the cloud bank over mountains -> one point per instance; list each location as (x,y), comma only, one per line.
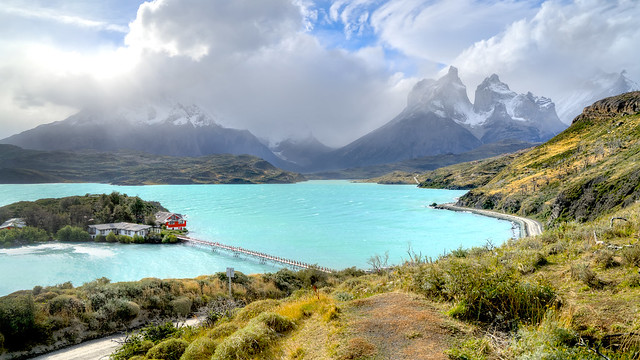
(337,69)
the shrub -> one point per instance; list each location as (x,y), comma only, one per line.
(222,330)
(170,349)
(476,349)
(124,239)
(67,304)
(181,306)
(73,234)
(583,273)
(278,323)
(120,310)
(133,345)
(605,259)
(200,349)
(169,239)
(245,343)
(159,332)
(111,237)
(137,239)
(343,296)
(256,308)
(631,255)
(99,238)
(286,280)
(460,252)
(484,293)
(17,319)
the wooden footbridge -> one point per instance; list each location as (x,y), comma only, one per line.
(262,257)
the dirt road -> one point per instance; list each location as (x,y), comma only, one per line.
(528,227)
(98,349)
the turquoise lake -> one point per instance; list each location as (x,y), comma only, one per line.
(336,224)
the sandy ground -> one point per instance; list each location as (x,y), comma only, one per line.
(98,349)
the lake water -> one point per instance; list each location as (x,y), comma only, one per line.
(335,224)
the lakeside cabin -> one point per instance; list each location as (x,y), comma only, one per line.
(121,228)
(171,221)
(15,223)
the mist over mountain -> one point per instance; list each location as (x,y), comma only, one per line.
(304,153)
(439,119)
(164,129)
(602,86)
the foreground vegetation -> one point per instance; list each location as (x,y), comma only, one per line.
(20,166)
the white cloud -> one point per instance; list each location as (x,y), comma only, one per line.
(438,30)
(255,63)
(563,45)
(60,17)
(263,66)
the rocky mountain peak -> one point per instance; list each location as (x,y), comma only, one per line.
(446,97)
(489,92)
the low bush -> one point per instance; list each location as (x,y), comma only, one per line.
(492,294)
(157,333)
(181,306)
(170,349)
(631,255)
(278,323)
(17,320)
(222,330)
(245,343)
(256,308)
(133,345)
(67,304)
(583,273)
(200,349)
(73,234)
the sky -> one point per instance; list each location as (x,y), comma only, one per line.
(335,69)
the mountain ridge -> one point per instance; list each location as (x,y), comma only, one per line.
(439,118)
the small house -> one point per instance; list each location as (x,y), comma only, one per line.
(171,220)
(121,228)
(15,223)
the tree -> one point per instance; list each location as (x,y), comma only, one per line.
(137,209)
(72,233)
(111,237)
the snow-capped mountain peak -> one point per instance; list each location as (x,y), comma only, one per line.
(446,97)
(175,114)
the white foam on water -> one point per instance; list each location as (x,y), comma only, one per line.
(93,252)
(27,250)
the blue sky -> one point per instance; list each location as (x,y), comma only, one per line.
(334,68)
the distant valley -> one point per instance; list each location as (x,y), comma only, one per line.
(20,166)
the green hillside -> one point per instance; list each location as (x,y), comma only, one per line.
(19,166)
(591,168)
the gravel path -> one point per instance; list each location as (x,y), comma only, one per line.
(528,227)
(98,349)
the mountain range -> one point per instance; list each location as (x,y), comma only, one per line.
(439,119)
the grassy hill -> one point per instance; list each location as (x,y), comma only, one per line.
(591,168)
(20,166)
